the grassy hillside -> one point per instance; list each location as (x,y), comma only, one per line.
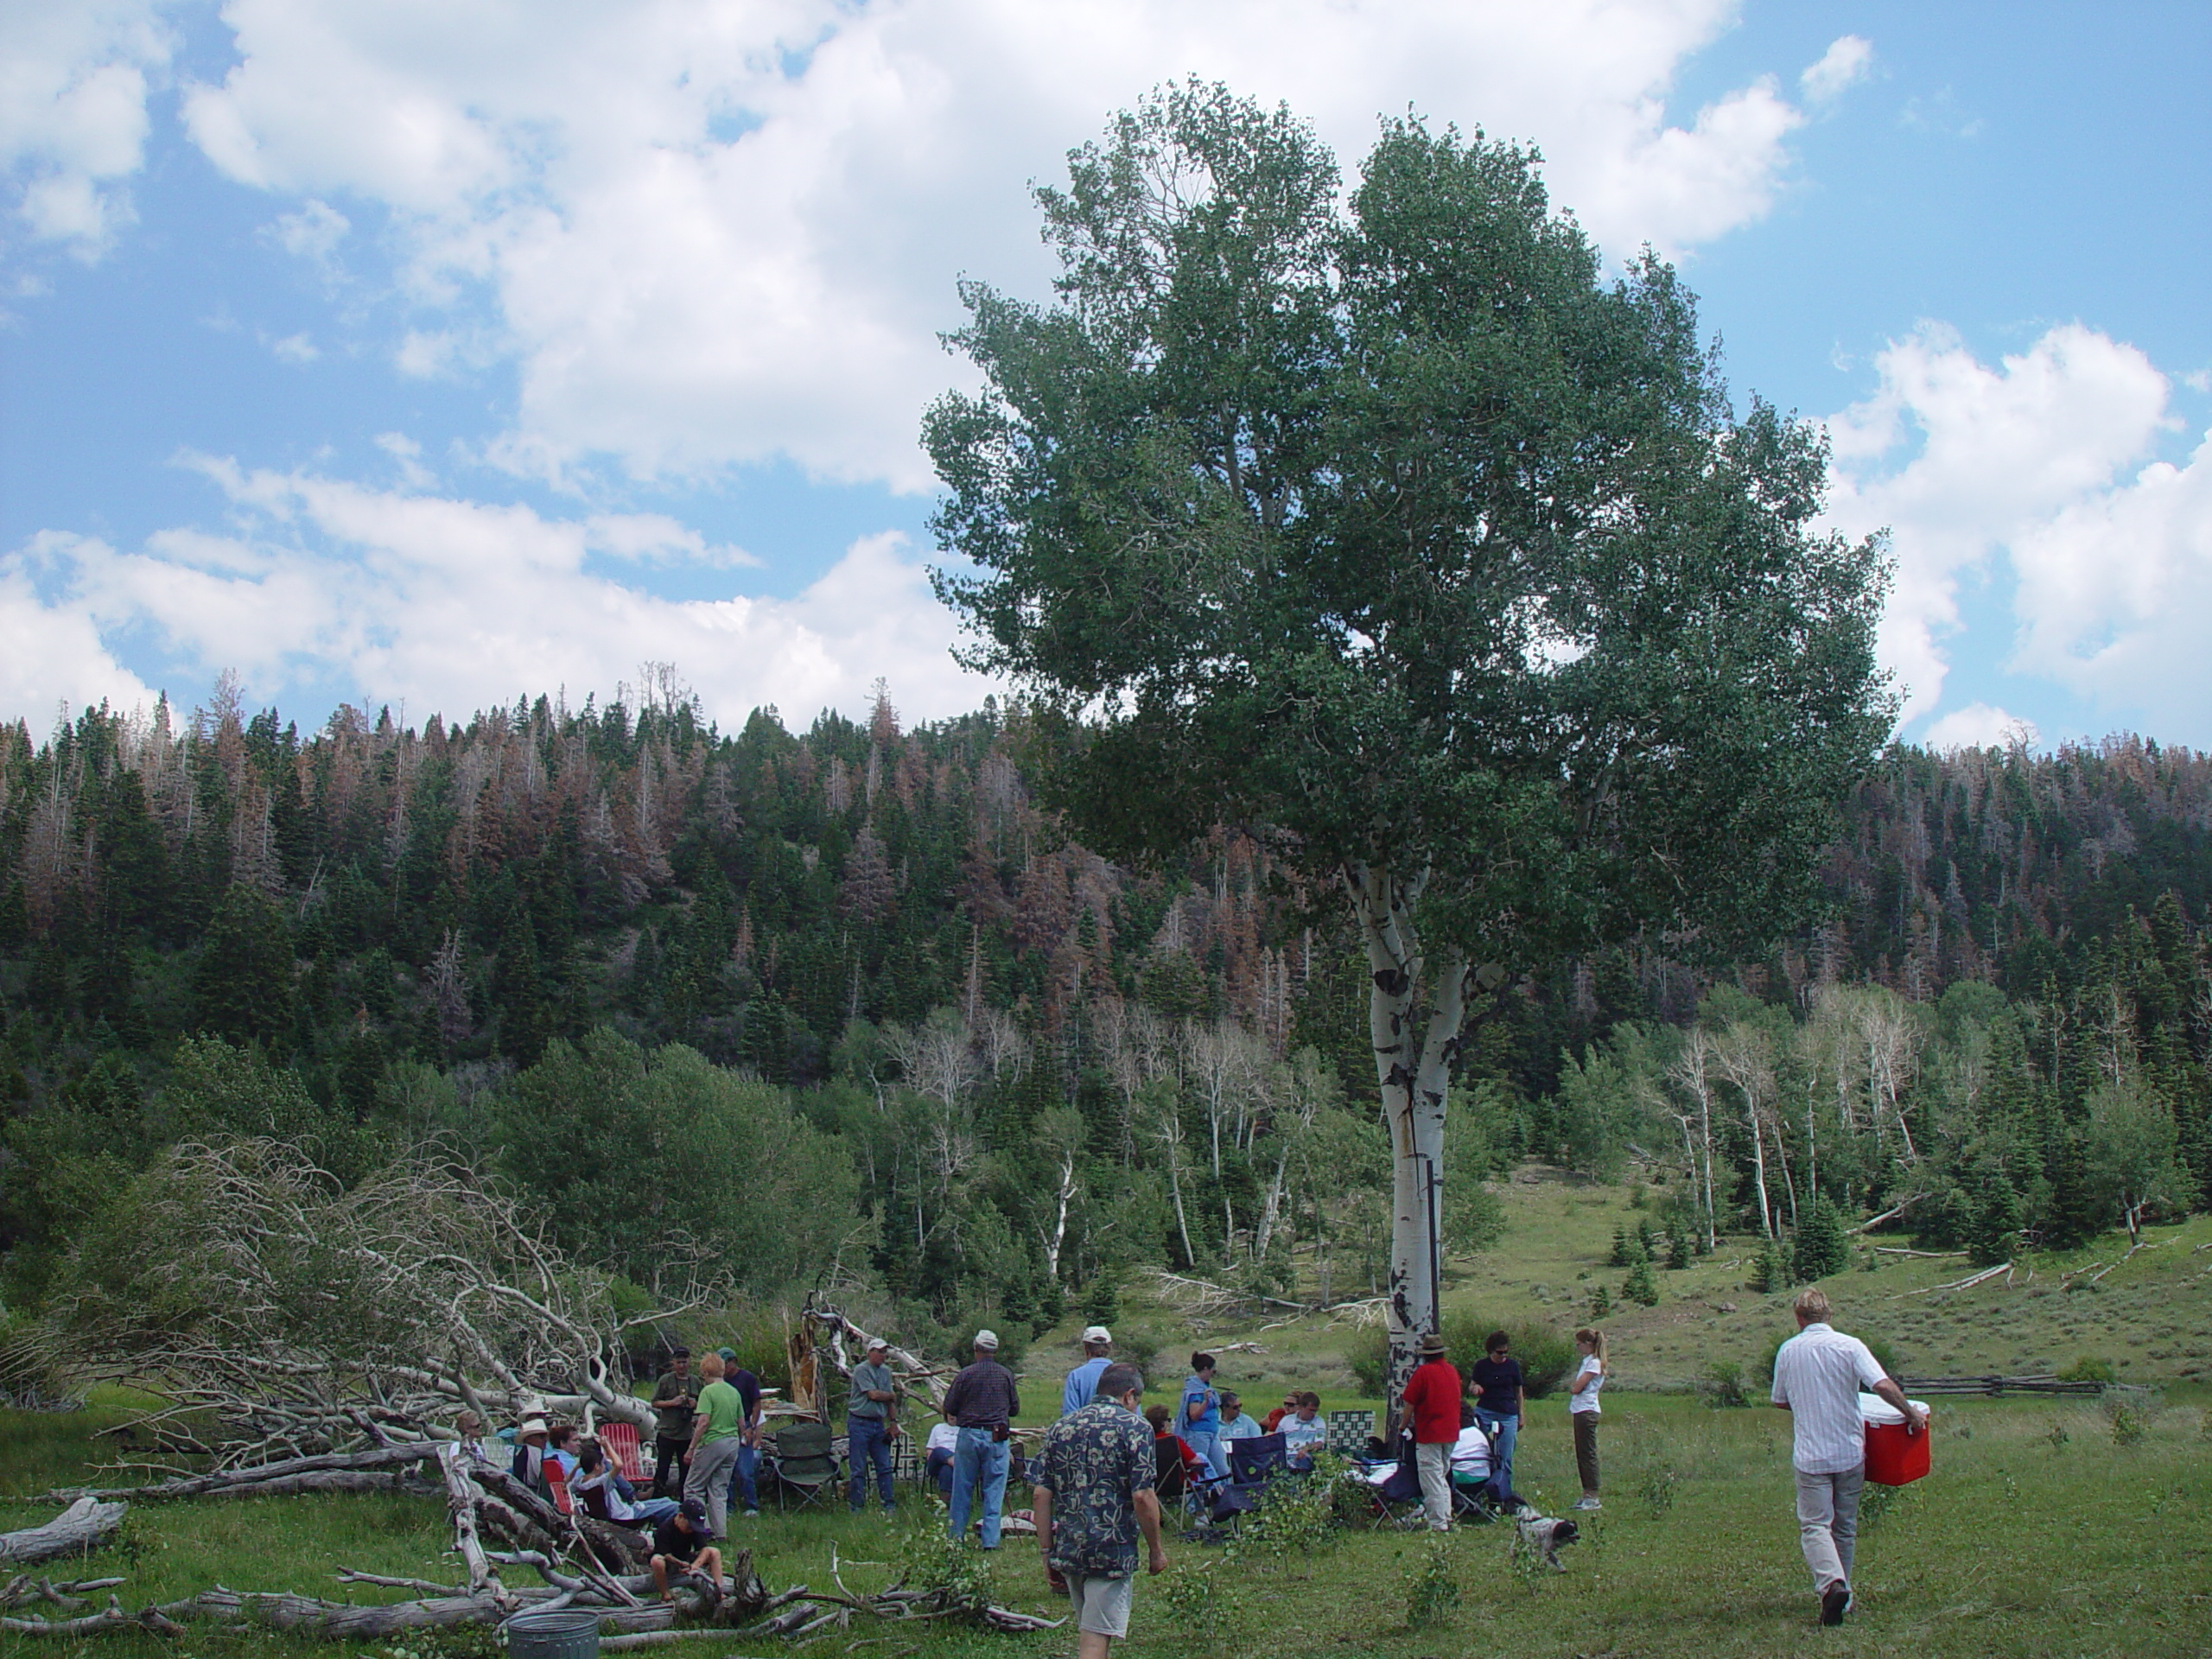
(2151,1317)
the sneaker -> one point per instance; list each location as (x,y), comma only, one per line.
(1588,1503)
(1835,1600)
(753,1515)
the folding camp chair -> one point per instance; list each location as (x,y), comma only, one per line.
(557,1480)
(619,1442)
(804,1465)
(1252,1462)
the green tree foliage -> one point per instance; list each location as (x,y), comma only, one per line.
(242,990)
(625,1148)
(1640,1286)
(1400,535)
(1821,1248)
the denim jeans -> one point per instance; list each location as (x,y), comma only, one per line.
(744,1491)
(868,1442)
(1208,1446)
(978,1461)
(1508,1430)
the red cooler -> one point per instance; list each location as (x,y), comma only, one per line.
(1893,1457)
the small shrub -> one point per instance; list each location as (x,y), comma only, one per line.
(1201,1598)
(1600,1303)
(2127,1426)
(1298,1518)
(1678,1246)
(2089,1369)
(1639,1286)
(1770,1269)
(1656,1489)
(1724,1385)
(1432,1587)
(2056,1436)
(958,1576)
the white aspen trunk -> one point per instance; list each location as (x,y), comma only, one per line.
(1060,1217)
(1412,1064)
(1759,1167)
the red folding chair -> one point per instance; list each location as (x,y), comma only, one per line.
(556,1480)
(619,1442)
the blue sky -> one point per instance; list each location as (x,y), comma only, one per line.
(430,353)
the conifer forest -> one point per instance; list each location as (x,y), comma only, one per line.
(846,1003)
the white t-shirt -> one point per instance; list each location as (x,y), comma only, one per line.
(1818,1375)
(1587,1399)
(1470,1453)
(944,1438)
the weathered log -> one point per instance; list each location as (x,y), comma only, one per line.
(84,1525)
(261,1475)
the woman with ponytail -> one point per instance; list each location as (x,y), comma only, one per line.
(1582,1412)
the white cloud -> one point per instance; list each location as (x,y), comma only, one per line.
(51,654)
(73,80)
(299,350)
(2047,459)
(1979,726)
(314,232)
(1848,60)
(456,605)
(718,230)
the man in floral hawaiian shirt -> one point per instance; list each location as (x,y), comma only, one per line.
(1094,1495)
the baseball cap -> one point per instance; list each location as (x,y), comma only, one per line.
(987,1339)
(729,1355)
(1097,1333)
(874,1342)
(693,1510)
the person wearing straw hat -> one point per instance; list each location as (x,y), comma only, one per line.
(531,1441)
(1432,1402)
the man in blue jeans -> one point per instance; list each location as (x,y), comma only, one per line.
(744,1486)
(982,1403)
(871,1422)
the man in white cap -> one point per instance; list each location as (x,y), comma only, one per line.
(982,1403)
(1082,1381)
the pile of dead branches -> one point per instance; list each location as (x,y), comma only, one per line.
(498,1525)
(273,1309)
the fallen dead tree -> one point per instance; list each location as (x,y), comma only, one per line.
(273,1309)
(500,1524)
(84,1525)
(825,1335)
(382,1465)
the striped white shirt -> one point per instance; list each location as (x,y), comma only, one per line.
(1818,1375)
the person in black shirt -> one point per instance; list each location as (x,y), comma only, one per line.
(1501,1395)
(680,1541)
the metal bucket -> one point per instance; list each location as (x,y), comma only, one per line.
(571,1633)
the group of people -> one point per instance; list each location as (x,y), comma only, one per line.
(1095,1496)
(1449,1429)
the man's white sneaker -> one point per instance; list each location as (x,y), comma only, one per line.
(1588,1503)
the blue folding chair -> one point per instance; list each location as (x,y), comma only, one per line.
(1252,1464)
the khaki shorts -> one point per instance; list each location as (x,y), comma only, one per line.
(1101,1605)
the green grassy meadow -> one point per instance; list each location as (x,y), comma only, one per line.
(2042,1531)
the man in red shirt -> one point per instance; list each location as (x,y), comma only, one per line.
(1432,1400)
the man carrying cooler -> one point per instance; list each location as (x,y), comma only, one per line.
(1817,1376)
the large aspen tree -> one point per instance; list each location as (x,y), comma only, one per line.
(1385,526)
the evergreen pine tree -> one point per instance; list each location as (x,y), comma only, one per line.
(1639,1286)
(1821,1247)
(243,990)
